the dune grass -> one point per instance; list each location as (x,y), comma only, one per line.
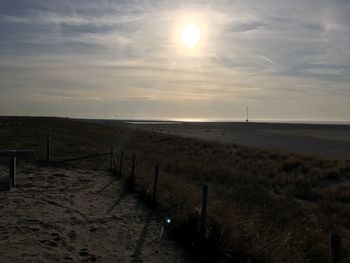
(263,206)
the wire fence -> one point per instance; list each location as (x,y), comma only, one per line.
(117,164)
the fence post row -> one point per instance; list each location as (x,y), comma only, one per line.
(335,240)
(48,148)
(335,249)
(203,210)
(155,184)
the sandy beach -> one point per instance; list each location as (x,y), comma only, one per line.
(323,140)
(74,215)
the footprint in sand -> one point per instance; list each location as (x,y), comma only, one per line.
(67,259)
(56,237)
(86,255)
(93,228)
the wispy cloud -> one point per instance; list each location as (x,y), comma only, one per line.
(124,56)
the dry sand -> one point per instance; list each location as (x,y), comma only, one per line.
(67,215)
(323,140)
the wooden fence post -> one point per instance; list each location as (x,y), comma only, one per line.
(335,249)
(48,149)
(121,163)
(112,159)
(133,169)
(12,167)
(155,184)
(203,210)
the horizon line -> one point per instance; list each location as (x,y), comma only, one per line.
(175,119)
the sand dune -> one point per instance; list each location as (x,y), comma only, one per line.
(263,205)
(66,215)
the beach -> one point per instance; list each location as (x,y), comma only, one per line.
(77,215)
(264,204)
(323,140)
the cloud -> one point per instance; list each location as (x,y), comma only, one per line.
(125,54)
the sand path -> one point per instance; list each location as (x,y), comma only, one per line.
(65,215)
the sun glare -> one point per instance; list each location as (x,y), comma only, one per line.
(190,35)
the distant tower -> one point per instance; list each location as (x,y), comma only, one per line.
(247,120)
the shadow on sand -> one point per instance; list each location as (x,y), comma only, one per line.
(105,187)
(141,240)
(121,197)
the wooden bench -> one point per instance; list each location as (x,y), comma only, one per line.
(12,155)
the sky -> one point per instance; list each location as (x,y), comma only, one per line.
(286,60)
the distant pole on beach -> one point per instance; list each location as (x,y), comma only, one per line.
(247,120)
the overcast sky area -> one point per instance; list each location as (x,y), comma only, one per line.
(287,60)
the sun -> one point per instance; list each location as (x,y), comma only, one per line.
(190,35)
